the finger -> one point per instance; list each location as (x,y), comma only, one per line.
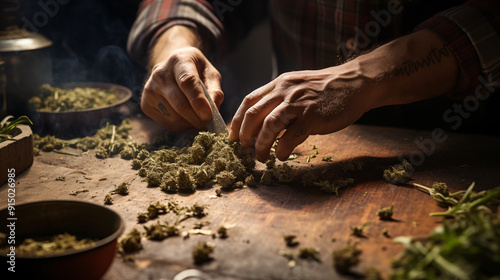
(161,89)
(188,80)
(273,125)
(250,100)
(162,113)
(254,119)
(181,105)
(295,134)
(212,83)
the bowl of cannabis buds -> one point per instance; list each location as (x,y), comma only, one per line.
(73,109)
(59,239)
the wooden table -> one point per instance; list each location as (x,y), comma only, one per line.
(258,217)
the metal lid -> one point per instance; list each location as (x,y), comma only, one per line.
(22,40)
(13,38)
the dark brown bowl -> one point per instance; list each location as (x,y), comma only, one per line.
(83,122)
(59,216)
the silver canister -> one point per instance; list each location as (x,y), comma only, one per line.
(27,58)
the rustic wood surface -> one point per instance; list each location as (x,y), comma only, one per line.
(258,217)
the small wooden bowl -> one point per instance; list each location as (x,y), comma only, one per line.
(17,154)
(79,218)
(83,122)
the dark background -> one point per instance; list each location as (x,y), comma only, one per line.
(89,44)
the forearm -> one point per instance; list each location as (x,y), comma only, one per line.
(172,39)
(409,69)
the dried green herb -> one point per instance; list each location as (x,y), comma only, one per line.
(50,245)
(108,141)
(53,99)
(333,186)
(385,213)
(358,230)
(142,217)
(121,189)
(311,253)
(290,240)
(130,243)
(209,158)
(351,165)
(222,232)
(440,192)
(77,192)
(108,200)
(327,158)
(226,180)
(199,225)
(160,231)
(345,257)
(281,174)
(218,192)
(399,173)
(202,252)
(250,181)
(7,129)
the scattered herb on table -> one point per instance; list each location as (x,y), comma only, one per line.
(290,240)
(202,252)
(108,200)
(358,230)
(222,232)
(130,243)
(345,257)
(311,253)
(399,173)
(385,213)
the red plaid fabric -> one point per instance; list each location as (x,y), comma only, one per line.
(314,34)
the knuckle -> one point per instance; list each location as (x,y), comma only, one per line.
(187,78)
(252,112)
(247,100)
(218,96)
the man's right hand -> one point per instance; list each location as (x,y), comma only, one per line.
(173,95)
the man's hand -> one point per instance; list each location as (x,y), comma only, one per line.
(172,94)
(303,103)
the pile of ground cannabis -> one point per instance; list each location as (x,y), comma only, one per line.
(50,245)
(53,99)
(210,159)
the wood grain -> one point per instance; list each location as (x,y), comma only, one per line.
(258,217)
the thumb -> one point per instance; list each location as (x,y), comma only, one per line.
(214,90)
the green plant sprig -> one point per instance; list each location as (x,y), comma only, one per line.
(6,128)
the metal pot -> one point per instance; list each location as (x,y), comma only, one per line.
(27,59)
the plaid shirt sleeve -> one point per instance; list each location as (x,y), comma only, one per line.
(472,33)
(214,22)
(156,16)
